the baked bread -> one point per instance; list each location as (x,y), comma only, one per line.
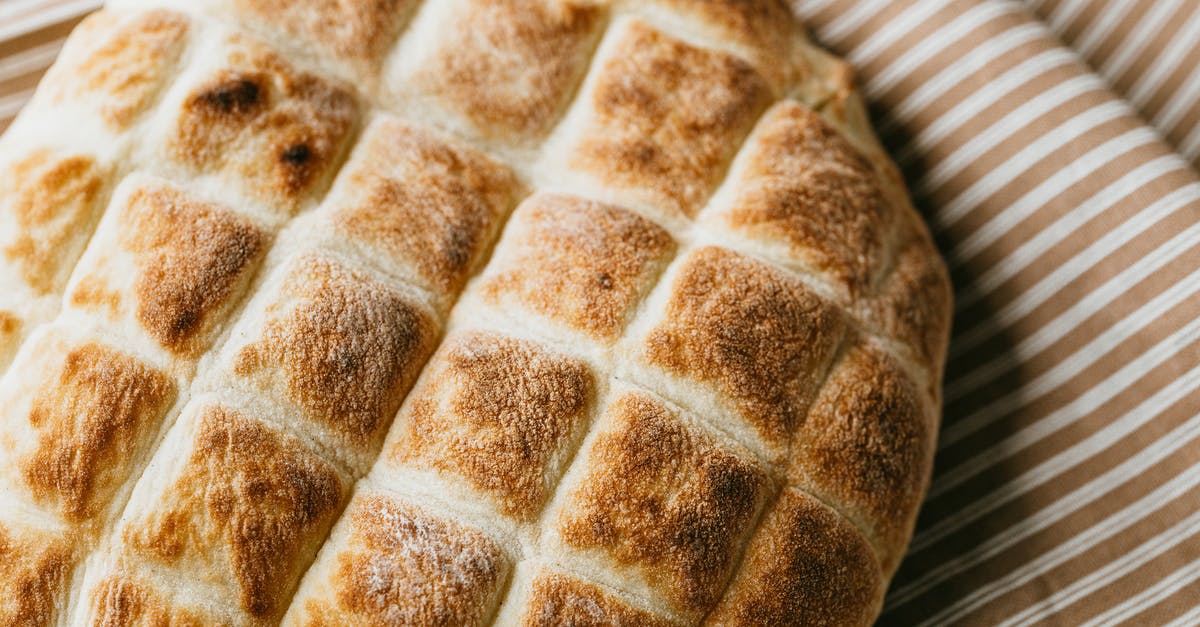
(342,312)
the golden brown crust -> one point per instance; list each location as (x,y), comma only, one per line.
(342,346)
(666,118)
(35,567)
(423,202)
(867,448)
(118,65)
(54,202)
(578,262)
(403,565)
(665,499)
(12,328)
(510,66)
(713,363)
(753,332)
(359,33)
(247,509)
(805,566)
(496,412)
(811,197)
(764,28)
(258,120)
(93,412)
(123,601)
(916,302)
(558,599)
(190,257)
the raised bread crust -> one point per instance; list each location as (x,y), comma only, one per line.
(511,311)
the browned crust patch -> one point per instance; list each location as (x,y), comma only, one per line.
(664,498)
(248,507)
(867,447)
(496,412)
(402,565)
(580,262)
(808,189)
(558,599)
(666,118)
(34,571)
(261,121)
(345,346)
(54,201)
(805,566)
(118,64)
(91,414)
(916,302)
(510,66)
(359,32)
(191,255)
(424,202)
(128,602)
(755,333)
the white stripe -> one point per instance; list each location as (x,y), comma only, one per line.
(1018,119)
(809,8)
(1096,32)
(1064,552)
(1141,34)
(988,95)
(1082,309)
(1138,603)
(1097,486)
(850,19)
(1051,188)
(1182,101)
(11,9)
(1166,61)
(1117,522)
(898,27)
(1191,144)
(1038,293)
(1095,580)
(1191,618)
(1029,156)
(935,87)
(1006,268)
(47,17)
(1081,406)
(904,64)
(29,60)
(1065,13)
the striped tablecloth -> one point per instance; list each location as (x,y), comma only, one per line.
(1053,145)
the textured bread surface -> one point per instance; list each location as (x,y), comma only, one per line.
(390,312)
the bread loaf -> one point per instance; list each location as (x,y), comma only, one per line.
(387,312)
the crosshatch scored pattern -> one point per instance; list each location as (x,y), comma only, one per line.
(518,311)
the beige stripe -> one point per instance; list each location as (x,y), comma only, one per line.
(1147,59)
(1063,397)
(1046,461)
(1026,550)
(1070,15)
(1168,525)
(1052,338)
(1095,42)
(27,55)
(1148,598)
(36,16)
